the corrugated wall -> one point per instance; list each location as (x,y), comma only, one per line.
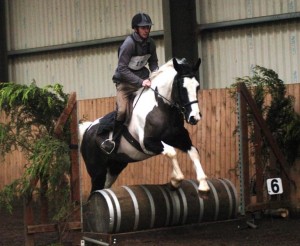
(226,53)
(39,23)
(232,52)
(218,11)
(87,70)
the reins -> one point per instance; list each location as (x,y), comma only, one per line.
(156,92)
(181,109)
(138,98)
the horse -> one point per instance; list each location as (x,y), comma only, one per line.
(156,127)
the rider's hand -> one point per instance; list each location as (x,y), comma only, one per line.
(146,83)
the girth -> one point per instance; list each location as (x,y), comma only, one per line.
(132,140)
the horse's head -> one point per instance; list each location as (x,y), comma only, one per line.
(185,89)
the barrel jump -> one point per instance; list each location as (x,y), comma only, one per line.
(142,207)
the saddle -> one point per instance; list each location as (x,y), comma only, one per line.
(106,124)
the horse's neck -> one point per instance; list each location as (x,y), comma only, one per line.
(163,83)
(145,100)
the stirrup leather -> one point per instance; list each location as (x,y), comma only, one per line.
(108,146)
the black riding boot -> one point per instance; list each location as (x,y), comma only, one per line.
(109,145)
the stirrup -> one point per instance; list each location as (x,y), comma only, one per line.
(108,146)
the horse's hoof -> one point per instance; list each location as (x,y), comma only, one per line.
(203,186)
(171,187)
(175,183)
(204,194)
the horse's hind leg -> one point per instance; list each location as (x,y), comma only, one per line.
(177,175)
(201,177)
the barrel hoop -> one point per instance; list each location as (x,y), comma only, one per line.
(167,205)
(110,209)
(185,208)
(216,199)
(235,195)
(176,206)
(118,208)
(152,206)
(136,207)
(229,197)
(200,200)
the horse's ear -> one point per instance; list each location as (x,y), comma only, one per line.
(196,67)
(175,64)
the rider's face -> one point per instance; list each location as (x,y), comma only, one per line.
(144,31)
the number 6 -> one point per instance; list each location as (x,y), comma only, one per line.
(274,186)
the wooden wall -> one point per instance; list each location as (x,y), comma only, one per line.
(213,136)
(12,165)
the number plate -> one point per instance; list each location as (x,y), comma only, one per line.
(274,186)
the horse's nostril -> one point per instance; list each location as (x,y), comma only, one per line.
(193,121)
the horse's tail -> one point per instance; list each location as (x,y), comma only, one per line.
(82,128)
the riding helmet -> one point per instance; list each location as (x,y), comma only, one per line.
(141,19)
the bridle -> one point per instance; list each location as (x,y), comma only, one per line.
(182,107)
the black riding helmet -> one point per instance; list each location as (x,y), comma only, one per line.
(141,19)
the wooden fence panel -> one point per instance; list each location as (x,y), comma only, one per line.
(213,136)
(11,165)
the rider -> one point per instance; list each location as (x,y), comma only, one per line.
(137,50)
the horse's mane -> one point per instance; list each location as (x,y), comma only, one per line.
(168,65)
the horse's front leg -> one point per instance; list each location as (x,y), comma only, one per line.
(110,180)
(201,177)
(177,175)
(113,171)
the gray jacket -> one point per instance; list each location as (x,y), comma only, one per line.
(134,46)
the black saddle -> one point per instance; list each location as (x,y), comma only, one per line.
(106,123)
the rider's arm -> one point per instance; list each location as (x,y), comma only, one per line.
(153,60)
(126,51)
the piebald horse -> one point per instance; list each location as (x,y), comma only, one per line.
(156,127)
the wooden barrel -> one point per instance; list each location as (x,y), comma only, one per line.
(140,207)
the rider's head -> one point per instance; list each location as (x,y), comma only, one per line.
(141,23)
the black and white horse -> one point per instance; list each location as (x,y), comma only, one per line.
(156,127)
